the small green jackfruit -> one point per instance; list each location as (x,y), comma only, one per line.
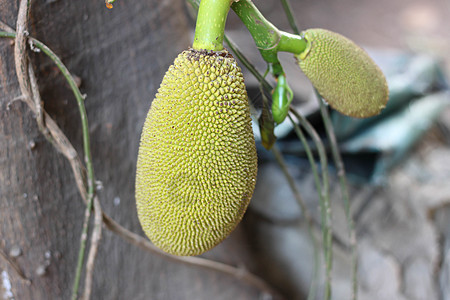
(197,162)
(343,73)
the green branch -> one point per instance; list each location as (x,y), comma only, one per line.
(5,34)
(210,27)
(268,38)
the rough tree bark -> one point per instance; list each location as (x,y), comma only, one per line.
(120,55)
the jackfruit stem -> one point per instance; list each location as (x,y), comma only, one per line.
(268,38)
(291,43)
(210,27)
(265,34)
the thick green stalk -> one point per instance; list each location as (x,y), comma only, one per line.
(210,27)
(265,34)
(291,43)
(268,38)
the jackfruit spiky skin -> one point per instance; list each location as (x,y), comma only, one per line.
(197,162)
(343,73)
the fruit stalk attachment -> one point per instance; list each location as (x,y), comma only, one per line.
(210,26)
(270,41)
(343,73)
(267,37)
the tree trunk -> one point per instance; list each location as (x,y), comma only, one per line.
(120,55)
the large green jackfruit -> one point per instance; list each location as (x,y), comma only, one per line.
(197,162)
(343,73)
